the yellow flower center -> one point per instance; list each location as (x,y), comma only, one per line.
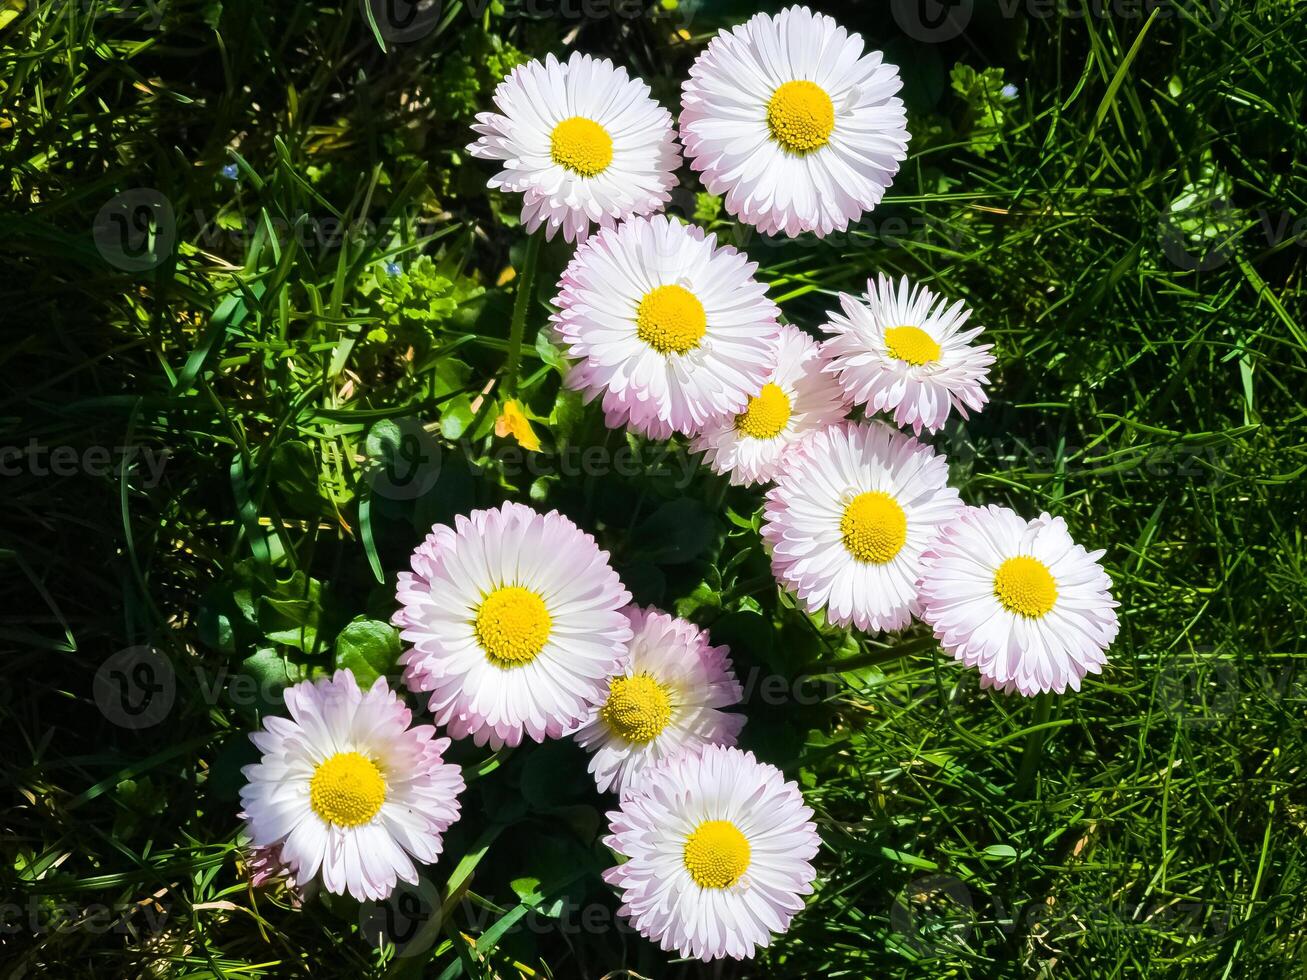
(347,789)
(766,415)
(582,146)
(512,626)
(801,117)
(671,320)
(638,708)
(716,854)
(1025,586)
(874,527)
(912,344)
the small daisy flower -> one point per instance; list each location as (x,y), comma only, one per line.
(1018,600)
(581,141)
(797,399)
(671,329)
(719,850)
(515,620)
(904,353)
(849,519)
(790,120)
(666,698)
(347,790)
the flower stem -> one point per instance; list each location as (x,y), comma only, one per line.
(1034,750)
(521,302)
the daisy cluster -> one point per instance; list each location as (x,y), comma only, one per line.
(515,624)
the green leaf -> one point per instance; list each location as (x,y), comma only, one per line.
(369,648)
(267,674)
(293,622)
(527,890)
(294,473)
(679,531)
(456,416)
(704,599)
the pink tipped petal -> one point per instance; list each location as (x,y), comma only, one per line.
(1043,625)
(818,186)
(721,890)
(295,834)
(677,378)
(873,372)
(666,698)
(533,100)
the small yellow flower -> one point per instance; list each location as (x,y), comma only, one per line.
(513,422)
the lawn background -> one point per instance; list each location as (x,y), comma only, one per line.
(1127,221)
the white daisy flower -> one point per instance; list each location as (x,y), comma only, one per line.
(790,120)
(797,399)
(347,790)
(671,329)
(903,352)
(849,519)
(1018,600)
(581,141)
(515,620)
(666,698)
(719,850)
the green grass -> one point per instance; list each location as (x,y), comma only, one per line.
(1151,387)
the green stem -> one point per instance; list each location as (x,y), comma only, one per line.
(521,302)
(873,657)
(1034,750)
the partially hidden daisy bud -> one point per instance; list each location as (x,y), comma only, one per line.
(516,625)
(672,330)
(266,868)
(798,398)
(1018,600)
(850,518)
(347,791)
(719,850)
(789,119)
(665,699)
(581,141)
(904,351)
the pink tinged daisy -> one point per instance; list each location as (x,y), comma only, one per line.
(1018,600)
(904,352)
(581,141)
(266,868)
(665,699)
(347,791)
(790,120)
(516,625)
(671,330)
(796,400)
(719,850)
(849,519)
